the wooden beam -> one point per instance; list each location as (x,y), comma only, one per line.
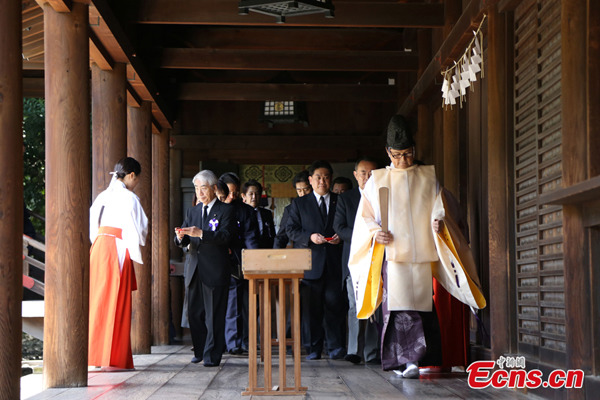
(367,14)
(33,87)
(33,65)
(508,5)
(577,194)
(28,6)
(244,59)
(296,92)
(281,156)
(33,26)
(99,55)
(110,33)
(133,100)
(61,5)
(297,38)
(272,142)
(454,44)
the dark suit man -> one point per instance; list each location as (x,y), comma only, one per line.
(359,332)
(251,194)
(310,225)
(302,187)
(246,237)
(209,227)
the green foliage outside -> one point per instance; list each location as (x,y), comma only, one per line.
(34,160)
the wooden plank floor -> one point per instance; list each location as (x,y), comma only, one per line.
(168,374)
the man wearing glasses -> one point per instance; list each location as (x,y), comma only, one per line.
(410,327)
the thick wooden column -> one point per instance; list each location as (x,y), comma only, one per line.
(498,183)
(11,197)
(424,137)
(66,54)
(577,266)
(175,213)
(139,146)
(161,235)
(594,87)
(109,123)
(451,176)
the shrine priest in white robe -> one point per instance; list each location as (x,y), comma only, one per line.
(411,330)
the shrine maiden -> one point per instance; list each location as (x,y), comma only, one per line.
(118,227)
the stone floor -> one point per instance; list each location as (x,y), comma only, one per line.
(168,374)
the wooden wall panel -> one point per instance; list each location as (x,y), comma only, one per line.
(538,170)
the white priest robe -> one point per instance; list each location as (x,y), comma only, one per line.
(412,199)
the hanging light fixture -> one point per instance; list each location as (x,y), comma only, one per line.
(282,9)
(284,112)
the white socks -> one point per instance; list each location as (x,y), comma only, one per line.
(411,371)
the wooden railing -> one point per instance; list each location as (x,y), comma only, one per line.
(30,283)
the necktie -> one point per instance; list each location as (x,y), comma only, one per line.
(205,217)
(323,209)
(259,219)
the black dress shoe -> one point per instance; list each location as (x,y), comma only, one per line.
(353,358)
(196,360)
(375,361)
(208,364)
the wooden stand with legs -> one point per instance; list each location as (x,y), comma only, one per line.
(265,268)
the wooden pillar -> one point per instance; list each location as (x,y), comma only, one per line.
(498,183)
(139,146)
(175,216)
(451,164)
(577,266)
(424,136)
(11,197)
(594,87)
(161,235)
(66,56)
(109,123)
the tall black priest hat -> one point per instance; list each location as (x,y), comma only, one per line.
(398,133)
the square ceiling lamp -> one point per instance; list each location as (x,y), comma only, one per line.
(284,112)
(282,9)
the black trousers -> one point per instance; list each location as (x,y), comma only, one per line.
(323,312)
(207,306)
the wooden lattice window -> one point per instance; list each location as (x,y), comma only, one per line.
(538,170)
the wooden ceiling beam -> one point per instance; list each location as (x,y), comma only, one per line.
(33,87)
(218,37)
(296,92)
(303,156)
(113,38)
(28,6)
(365,14)
(275,142)
(290,60)
(99,55)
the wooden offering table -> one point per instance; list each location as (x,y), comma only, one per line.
(264,268)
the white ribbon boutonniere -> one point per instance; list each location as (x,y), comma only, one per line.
(213,223)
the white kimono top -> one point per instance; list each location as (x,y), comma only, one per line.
(122,209)
(412,196)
